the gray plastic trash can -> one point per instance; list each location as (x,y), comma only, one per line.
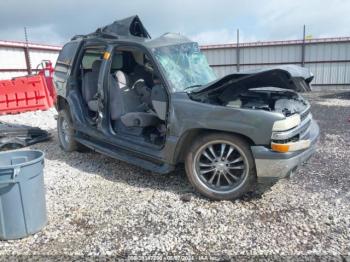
(22,194)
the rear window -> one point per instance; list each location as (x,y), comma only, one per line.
(67,53)
(66,56)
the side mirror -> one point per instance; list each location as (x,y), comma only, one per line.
(160,101)
(148,67)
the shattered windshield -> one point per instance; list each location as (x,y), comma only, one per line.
(185,66)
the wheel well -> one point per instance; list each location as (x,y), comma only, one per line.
(187,140)
(61,103)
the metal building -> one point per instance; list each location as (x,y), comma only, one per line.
(327,58)
(18,58)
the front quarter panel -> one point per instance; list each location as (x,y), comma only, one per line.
(186,114)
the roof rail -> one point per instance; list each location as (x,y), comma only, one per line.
(105,35)
(77,37)
(95,34)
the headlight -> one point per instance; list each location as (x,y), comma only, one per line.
(286,124)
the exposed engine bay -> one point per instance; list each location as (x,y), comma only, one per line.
(270,99)
(270,90)
(274,99)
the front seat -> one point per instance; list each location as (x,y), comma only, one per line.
(131,100)
(90,80)
(125,104)
(122,99)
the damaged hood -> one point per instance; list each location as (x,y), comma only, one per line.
(293,70)
(287,77)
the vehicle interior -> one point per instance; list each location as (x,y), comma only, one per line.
(88,75)
(137,99)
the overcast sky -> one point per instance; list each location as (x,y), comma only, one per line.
(208,22)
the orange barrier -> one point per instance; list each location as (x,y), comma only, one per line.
(28,93)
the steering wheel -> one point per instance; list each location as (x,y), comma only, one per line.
(143,91)
(138,85)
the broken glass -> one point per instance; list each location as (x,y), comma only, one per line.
(184,65)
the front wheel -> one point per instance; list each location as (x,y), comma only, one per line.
(221,166)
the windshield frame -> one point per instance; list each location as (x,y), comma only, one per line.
(173,87)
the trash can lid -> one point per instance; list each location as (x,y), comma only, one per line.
(19,158)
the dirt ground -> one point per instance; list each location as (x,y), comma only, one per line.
(98,206)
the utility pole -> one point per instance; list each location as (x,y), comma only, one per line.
(237,52)
(26,53)
(303,48)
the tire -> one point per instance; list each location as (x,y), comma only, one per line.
(66,132)
(225,171)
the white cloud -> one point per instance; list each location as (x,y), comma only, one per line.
(206,21)
(281,20)
(39,34)
(222,36)
(45,33)
(284,19)
(214,37)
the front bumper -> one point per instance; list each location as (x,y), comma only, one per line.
(271,164)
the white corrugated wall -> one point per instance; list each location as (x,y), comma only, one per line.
(13,60)
(36,56)
(328,59)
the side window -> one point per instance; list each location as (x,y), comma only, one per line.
(90,56)
(117,61)
(66,56)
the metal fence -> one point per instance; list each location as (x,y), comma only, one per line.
(327,58)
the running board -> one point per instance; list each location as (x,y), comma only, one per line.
(124,155)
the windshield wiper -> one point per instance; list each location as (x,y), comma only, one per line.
(189,87)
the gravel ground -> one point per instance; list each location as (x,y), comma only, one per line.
(101,206)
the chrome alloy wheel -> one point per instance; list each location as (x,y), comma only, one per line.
(221,166)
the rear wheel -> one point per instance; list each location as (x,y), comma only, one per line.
(221,166)
(66,132)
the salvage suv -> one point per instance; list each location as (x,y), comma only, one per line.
(156,103)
